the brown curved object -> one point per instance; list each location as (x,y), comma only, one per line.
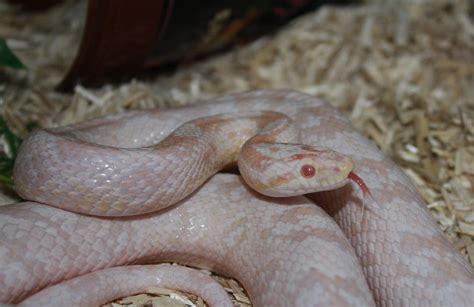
(34,5)
(114,45)
(123,38)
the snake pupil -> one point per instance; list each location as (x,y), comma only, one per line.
(308,171)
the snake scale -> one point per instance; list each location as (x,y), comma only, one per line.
(356,240)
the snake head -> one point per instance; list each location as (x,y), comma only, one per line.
(300,169)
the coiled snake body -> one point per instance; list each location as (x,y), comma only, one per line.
(285,251)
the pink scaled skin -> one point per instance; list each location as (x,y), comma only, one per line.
(285,252)
(100,287)
(277,249)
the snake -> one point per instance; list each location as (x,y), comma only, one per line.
(315,216)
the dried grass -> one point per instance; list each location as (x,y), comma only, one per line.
(402,72)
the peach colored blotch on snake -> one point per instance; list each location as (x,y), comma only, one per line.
(285,251)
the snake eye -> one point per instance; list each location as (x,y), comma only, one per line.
(307,171)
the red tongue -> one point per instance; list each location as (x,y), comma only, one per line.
(352,176)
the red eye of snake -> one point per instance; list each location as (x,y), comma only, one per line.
(307,171)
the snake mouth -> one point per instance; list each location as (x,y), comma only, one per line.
(330,187)
(355,178)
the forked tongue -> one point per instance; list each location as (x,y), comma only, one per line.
(365,190)
(352,176)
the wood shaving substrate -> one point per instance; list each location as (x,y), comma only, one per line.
(402,72)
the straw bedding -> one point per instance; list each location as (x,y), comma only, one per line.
(403,73)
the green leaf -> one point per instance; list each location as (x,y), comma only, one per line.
(6,180)
(7,159)
(7,58)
